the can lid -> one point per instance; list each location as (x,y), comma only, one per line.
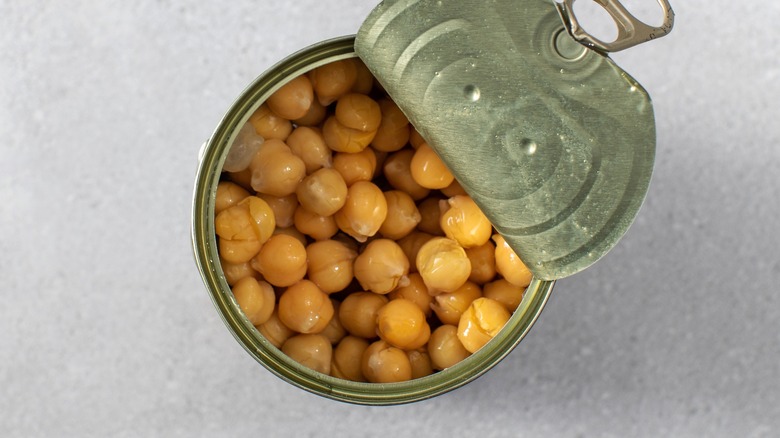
(551,139)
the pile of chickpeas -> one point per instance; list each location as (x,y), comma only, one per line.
(348,243)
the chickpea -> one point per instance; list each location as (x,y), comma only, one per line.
(359,166)
(268,125)
(330,265)
(509,265)
(358,313)
(334,331)
(347,355)
(430,216)
(402,324)
(341,138)
(415,139)
(505,293)
(276,172)
(382,266)
(420,361)
(250,219)
(411,245)
(237,271)
(313,225)
(314,116)
(243,178)
(323,192)
(309,145)
(465,223)
(443,265)
(228,195)
(454,189)
(333,80)
(238,251)
(256,299)
(358,111)
(481,322)
(292,232)
(445,348)
(428,170)
(365,80)
(310,350)
(402,215)
(416,292)
(275,331)
(243,149)
(383,363)
(483,262)
(293,100)
(303,307)
(393,131)
(282,260)
(364,211)
(283,208)
(450,306)
(398,173)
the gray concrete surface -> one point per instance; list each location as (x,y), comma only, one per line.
(107,330)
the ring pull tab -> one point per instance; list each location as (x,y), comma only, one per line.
(631,31)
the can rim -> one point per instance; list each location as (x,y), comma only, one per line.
(207,260)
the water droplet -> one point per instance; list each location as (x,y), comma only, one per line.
(471,92)
(436,73)
(528,146)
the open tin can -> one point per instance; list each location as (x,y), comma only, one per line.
(571,147)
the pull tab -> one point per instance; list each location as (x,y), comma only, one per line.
(631,31)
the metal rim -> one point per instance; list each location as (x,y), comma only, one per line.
(207,260)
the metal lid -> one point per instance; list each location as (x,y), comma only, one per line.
(551,139)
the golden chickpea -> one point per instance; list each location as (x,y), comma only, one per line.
(334,331)
(450,306)
(454,189)
(382,266)
(393,131)
(293,99)
(275,331)
(228,195)
(333,80)
(347,355)
(309,145)
(310,350)
(359,166)
(313,225)
(243,178)
(364,211)
(292,232)
(401,323)
(411,245)
(238,251)
(505,293)
(402,215)
(428,170)
(416,292)
(483,262)
(445,348)
(303,307)
(420,361)
(256,299)
(509,265)
(314,116)
(323,192)
(250,219)
(465,223)
(383,363)
(277,173)
(399,174)
(283,208)
(358,111)
(365,80)
(237,271)
(430,216)
(443,265)
(341,138)
(415,139)
(481,322)
(243,149)
(330,265)
(281,260)
(268,125)
(358,313)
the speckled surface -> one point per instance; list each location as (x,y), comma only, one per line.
(106,328)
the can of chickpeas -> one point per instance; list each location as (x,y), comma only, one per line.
(380,219)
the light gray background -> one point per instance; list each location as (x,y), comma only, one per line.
(107,330)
